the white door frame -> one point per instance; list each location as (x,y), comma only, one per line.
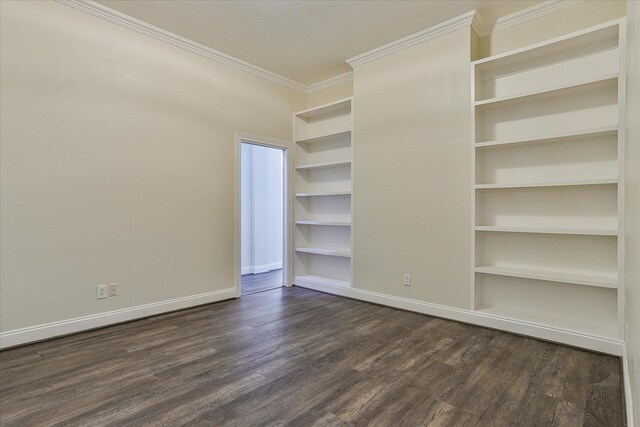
(287,201)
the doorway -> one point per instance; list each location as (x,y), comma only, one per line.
(263,215)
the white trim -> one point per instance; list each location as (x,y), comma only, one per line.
(562,336)
(330,82)
(453,24)
(477,23)
(626,383)
(287,209)
(471,18)
(257,269)
(111,15)
(70,326)
(525,15)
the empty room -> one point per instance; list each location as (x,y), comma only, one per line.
(320,213)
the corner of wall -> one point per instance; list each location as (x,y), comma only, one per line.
(632,214)
(333,93)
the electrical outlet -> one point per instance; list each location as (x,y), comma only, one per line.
(407,280)
(113,289)
(101,291)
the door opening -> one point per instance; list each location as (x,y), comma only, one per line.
(263,230)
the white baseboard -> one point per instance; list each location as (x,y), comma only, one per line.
(572,338)
(257,269)
(69,326)
(626,379)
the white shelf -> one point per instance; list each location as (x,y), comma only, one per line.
(582,84)
(593,327)
(553,46)
(322,165)
(342,106)
(325,251)
(549,184)
(587,133)
(324,138)
(324,193)
(322,156)
(546,121)
(328,223)
(320,280)
(550,230)
(603,281)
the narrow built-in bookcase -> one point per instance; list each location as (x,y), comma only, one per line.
(322,186)
(548,144)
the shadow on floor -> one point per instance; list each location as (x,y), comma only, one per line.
(252,283)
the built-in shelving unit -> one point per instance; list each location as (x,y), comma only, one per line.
(548,151)
(322,185)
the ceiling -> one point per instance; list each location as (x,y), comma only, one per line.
(307,41)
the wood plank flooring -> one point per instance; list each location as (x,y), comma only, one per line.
(296,357)
(252,283)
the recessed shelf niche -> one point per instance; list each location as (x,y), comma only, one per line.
(548,205)
(322,185)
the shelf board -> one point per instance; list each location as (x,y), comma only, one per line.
(322,280)
(550,230)
(329,223)
(325,251)
(553,46)
(324,193)
(323,138)
(590,326)
(590,133)
(549,184)
(339,107)
(604,80)
(322,165)
(602,281)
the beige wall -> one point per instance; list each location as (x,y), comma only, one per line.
(412,172)
(574,18)
(117,164)
(632,204)
(330,94)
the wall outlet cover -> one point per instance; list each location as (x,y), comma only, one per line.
(113,289)
(101,291)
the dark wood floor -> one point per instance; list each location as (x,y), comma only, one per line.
(252,283)
(297,357)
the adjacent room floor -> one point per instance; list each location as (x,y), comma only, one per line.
(252,283)
(298,357)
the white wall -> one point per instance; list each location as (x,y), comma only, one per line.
(274,206)
(261,228)
(246,208)
(412,172)
(117,164)
(330,94)
(632,202)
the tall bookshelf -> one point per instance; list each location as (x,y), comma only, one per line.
(548,148)
(322,186)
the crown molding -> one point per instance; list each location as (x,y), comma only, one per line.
(437,30)
(332,81)
(471,18)
(525,15)
(477,23)
(108,14)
